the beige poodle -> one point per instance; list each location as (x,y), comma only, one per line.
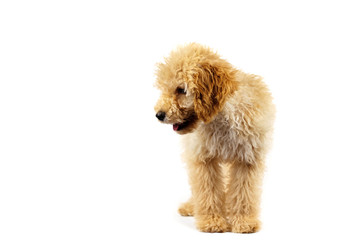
(225,117)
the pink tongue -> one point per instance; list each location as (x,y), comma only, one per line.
(175,127)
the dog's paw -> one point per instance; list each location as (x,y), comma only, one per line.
(212,223)
(186,209)
(244,225)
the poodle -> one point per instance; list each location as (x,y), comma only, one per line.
(225,117)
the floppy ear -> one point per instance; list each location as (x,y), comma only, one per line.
(214,82)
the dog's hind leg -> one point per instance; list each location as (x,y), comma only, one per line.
(187,208)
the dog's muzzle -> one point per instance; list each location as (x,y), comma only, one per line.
(160,116)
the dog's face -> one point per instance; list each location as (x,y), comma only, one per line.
(194,84)
(176,106)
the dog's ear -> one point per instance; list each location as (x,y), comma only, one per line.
(214,82)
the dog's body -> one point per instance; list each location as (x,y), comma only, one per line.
(226,119)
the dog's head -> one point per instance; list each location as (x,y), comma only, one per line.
(195,83)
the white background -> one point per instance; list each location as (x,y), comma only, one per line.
(83,157)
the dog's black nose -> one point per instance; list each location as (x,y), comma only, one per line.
(160,116)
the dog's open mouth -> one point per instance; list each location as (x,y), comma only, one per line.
(180,126)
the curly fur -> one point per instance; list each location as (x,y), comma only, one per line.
(225,117)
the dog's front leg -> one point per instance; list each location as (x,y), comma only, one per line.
(208,195)
(243,196)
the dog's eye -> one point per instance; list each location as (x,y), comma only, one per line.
(180,90)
